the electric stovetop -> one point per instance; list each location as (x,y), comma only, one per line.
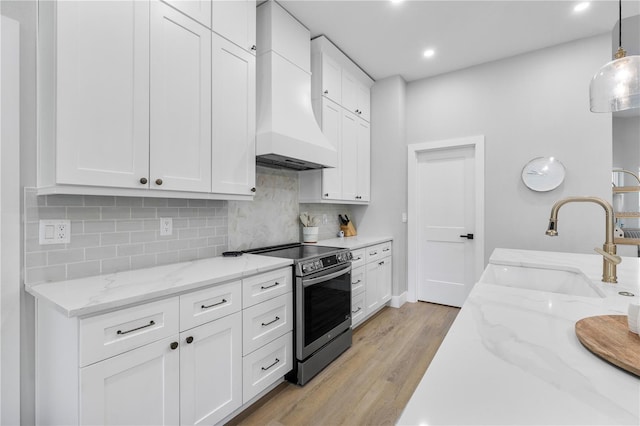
(295,251)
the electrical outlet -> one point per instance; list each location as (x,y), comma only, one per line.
(55,232)
(166,226)
(404,218)
(325,220)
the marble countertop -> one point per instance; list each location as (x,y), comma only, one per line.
(353,243)
(512,356)
(91,295)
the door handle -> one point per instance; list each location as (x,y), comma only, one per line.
(468,236)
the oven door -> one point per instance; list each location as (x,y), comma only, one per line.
(323,308)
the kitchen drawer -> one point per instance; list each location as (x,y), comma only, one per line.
(357,309)
(357,280)
(106,335)
(266,366)
(386,249)
(377,251)
(209,304)
(266,286)
(266,321)
(358,258)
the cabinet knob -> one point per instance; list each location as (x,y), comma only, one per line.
(326,195)
(158,181)
(254,47)
(143,180)
(174,346)
(253,189)
(189,339)
(326,92)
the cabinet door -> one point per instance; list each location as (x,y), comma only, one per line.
(331,79)
(234,119)
(372,293)
(385,280)
(235,20)
(350,87)
(180,148)
(200,10)
(102,110)
(139,387)
(349,164)
(211,371)
(332,129)
(364,161)
(364,102)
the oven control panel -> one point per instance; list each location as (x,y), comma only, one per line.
(325,262)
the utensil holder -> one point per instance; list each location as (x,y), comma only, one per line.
(310,234)
(349,230)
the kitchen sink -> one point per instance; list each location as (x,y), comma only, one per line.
(542,279)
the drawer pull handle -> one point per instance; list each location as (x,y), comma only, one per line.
(215,304)
(270,322)
(381,263)
(357,282)
(373,253)
(137,328)
(268,367)
(357,258)
(387,249)
(269,286)
(357,310)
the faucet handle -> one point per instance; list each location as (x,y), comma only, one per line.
(613,258)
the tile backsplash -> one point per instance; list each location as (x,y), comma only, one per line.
(110,234)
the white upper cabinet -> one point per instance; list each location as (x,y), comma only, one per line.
(235,20)
(341,96)
(125,99)
(349,155)
(93,98)
(363,166)
(331,77)
(332,129)
(234,119)
(180,148)
(355,96)
(200,10)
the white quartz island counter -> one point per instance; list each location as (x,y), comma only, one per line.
(512,356)
(90,295)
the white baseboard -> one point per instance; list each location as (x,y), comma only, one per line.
(398,301)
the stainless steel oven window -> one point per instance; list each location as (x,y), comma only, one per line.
(323,304)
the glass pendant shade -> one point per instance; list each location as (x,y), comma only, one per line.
(616,86)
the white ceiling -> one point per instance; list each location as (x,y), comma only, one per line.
(386,38)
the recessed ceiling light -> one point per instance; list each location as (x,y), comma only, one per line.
(429,53)
(581,7)
(396,1)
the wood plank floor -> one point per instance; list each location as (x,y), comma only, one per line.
(371,382)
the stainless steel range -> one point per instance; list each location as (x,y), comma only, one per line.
(322,304)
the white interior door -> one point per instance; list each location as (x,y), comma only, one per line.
(445,224)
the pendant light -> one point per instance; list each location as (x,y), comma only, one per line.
(616,86)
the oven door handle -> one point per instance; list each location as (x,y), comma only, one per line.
(323,278)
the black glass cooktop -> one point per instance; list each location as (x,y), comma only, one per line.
(294,251)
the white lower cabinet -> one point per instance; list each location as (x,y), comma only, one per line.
(211,371)
(140,387)
(371,281)
(178,360)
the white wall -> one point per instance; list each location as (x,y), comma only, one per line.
(383,216)
(531,105)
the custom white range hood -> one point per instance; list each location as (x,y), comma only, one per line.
(287,134)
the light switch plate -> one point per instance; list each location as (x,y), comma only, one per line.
(55,232)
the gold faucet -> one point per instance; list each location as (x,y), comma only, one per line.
(608,251)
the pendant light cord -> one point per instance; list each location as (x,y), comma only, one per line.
(619,23)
